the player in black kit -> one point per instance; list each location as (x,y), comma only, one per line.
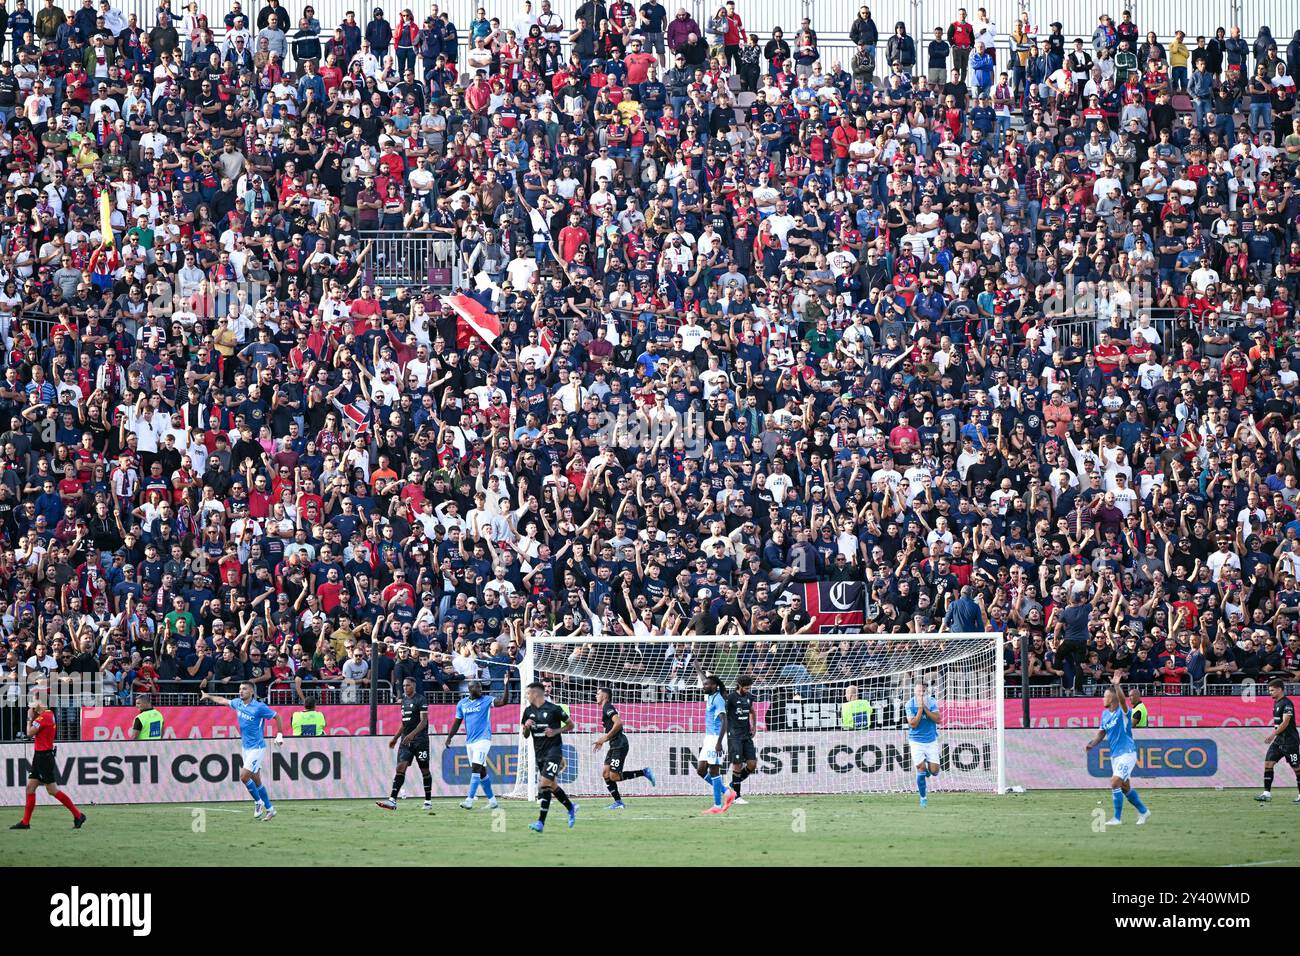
(740,738)
(414,736)
(1284,741)
(616,758)
(544,721)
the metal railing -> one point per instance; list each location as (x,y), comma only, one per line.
(410,259)
(1089,330)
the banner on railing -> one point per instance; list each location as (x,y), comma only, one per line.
(197,771)
(1065,712)
(325,768)
(1056,759)
(181,771)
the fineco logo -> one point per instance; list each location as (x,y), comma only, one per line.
(1172,757)
(78,910)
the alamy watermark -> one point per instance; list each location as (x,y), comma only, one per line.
(84,910)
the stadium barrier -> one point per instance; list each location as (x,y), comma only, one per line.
(191,771)
(342,767)
(1190,757)
(402,258)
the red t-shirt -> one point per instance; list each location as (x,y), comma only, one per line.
(1107,356)
(414,495)
(45,731)
(362,311)
(259,504)
(230,571)
(638,65)
(403,589)
(571,237)
(329,595)
(899,433)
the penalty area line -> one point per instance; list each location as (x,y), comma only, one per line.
(212,809)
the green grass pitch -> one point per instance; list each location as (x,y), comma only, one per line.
(1047,828)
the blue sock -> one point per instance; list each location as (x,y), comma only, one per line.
(473,785)
(263,794)
(920,782)
(252,789)
(486,784)
(1117,796)
(718,788)
(1134,799)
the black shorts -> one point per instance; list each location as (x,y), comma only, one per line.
(43,767)
(616,758)
(1282,752)
(417,751)
(548,764)
(741,751)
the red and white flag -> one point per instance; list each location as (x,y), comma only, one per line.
(356,415)
(476,315)
(547,341)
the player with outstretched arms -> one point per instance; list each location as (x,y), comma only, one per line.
(414,737)
(1117,730)
(740,739)
(715,732)
(1283,742)
(545,721)
(476,712)
(253,714)
(44,772)
(614,770)
(923,736)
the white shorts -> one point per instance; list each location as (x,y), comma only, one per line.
(478,751)
(924,752)
(1123,765)
(253,759)
(710,755)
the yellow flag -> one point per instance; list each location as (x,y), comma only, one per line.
(106,218)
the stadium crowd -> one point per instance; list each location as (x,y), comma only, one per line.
(1002,325)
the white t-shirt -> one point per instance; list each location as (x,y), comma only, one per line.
(147,431)
(778,485)
(1217,561)
(692,335)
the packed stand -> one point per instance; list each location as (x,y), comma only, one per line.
(1001,324)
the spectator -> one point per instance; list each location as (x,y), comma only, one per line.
(864,33)
(240,445)
(900,51)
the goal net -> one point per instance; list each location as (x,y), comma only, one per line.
(829,710)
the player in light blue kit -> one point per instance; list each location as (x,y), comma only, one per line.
(476,711)
(923,736)
(712,747)
(1117,731)
(253,715)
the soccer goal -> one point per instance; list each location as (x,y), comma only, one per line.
(830,709)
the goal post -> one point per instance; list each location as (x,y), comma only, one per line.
(829,709)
